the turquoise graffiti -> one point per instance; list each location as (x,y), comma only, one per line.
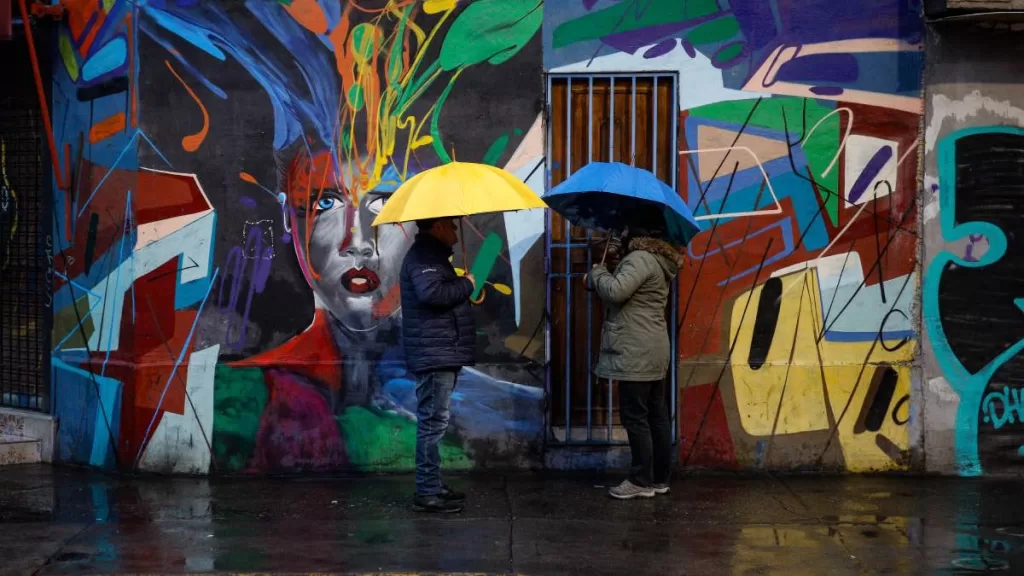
(971,303)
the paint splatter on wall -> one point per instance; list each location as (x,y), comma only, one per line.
(222,302)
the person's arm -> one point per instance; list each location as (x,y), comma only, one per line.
(619,287)
(434,289)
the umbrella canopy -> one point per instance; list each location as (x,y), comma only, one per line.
(611,196)
(457,189)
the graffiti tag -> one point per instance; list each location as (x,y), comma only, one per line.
(1002,408)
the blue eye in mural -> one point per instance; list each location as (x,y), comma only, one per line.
(325,204)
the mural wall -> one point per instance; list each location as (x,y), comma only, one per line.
(221,301)
(971,295)
(798,148)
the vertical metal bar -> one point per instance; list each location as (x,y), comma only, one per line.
(611,118)
(568,267)
(547,262)
(590,300)
(674,139)
(654,130)
(611,158)
(632,122)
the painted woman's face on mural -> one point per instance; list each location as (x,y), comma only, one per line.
(353,272)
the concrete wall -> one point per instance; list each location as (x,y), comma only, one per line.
(798,301)
(973,269)
(222,303)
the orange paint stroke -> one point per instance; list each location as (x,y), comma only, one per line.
(107,127)
(309,14)
(192,142)
(245,176)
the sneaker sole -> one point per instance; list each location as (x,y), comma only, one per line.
(662,490)
(632,496)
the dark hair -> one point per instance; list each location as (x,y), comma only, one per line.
(426,224)
(646,221)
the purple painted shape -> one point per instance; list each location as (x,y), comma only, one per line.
(660,49)
(247,201)
(688,47)
(630,42)
(286,238)
(816,68)
(241,272)
(634,40)
(589,4)
(868,174)
(827,90)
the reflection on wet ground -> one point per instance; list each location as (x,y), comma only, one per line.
(58,521)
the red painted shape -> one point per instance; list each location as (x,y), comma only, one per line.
(312,354)
(6,18)
(714,447)
(148,347)
(156,196)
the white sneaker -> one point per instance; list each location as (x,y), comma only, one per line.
(627,491)
(661,488)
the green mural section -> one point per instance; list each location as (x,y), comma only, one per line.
(381,442)
(818,125)
(238,400)
(375,440)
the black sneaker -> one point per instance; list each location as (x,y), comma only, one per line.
(451,495)
(435,504)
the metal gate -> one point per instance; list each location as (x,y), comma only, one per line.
(629,118)
(25,241)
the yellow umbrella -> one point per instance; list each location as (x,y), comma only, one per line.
(457,189)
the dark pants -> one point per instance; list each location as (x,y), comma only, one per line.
(433,397)
(645,416)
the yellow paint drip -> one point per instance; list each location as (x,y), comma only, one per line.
(67,54)
(438,6)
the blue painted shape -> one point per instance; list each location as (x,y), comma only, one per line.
(970,387)
(1020,303)
(896,73)
(868,174)
(188,294)
(888,336)
(296,107)
(193,72)
(186,30)
(108,60)
(816,68)
(746,185)
(110,403)
(88,419)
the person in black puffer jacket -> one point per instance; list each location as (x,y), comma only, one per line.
(439,337)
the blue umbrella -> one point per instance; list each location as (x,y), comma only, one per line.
(611,196)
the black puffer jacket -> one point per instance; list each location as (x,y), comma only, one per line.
(438,328)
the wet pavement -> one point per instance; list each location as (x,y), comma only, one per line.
(71,521)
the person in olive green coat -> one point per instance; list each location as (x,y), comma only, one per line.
(635,351)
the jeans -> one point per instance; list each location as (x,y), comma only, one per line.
(645,416)
(433,396)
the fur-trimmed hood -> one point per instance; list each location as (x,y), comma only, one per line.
(666,254)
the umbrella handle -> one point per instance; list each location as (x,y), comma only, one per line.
(462,242)
(607,243)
